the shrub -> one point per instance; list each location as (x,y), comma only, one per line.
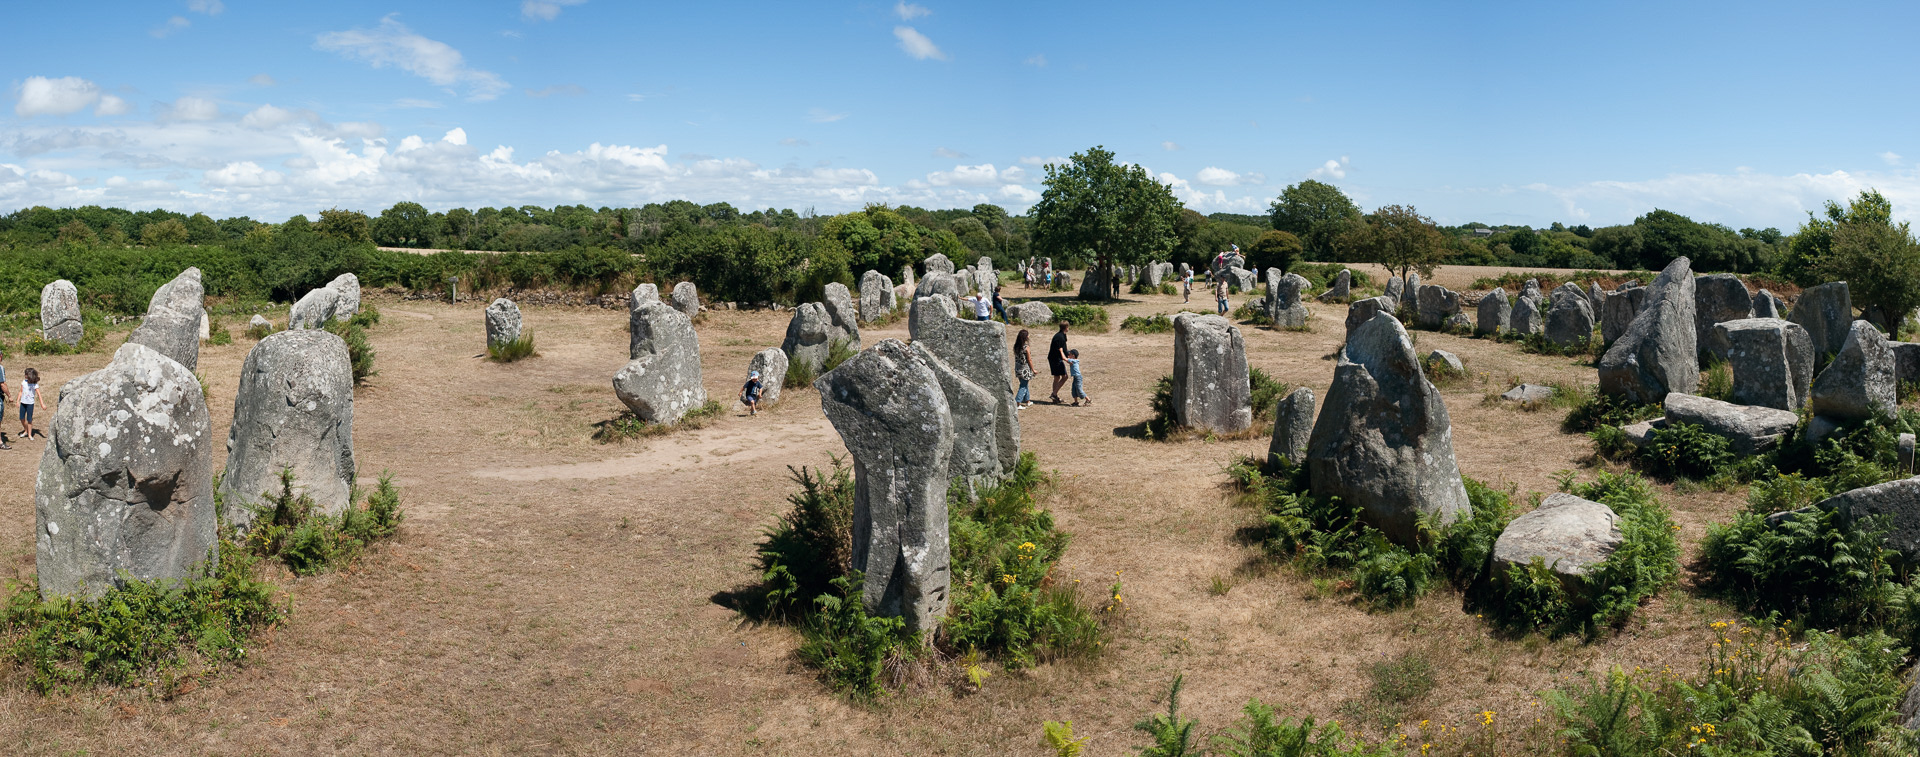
(851,648)
(1604,410)
(217,333)
(838,351)
(1082,316)
(359,350)
(512,351)
(800,375)
(1169,288)
(1258,732)
(291,528)
(1264,392)
(1716,380)
(627,426)
(812,544)
(1817,567)
(259,331)
(1646,561)
(1154,324)
(1686,450)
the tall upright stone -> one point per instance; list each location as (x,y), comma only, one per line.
(1383,440)
(293,411)
(1396,288)
(1528,315)
(60,313)
(1718,298)
(772,365)
(1531,289)
(1292,427)
(662,381)
(978,351)
(1622,307)
(1772,361)
(943,284)
(1094,284)
(1211,389)
(1859,383)
(1659,353)
(1495,312)
(1597,298)
(1340,289)
(1283,303)
(503,323)
(686,299)
(1768,305)
(876,296)
(642,294)
(811,334)
(1435,305)
(891,412)
(906,277)
(937,263)
(348,287)
(125,487)
(1362,311)
(975,459)
(1824,311)
(172,325)
(840,310)
(1570,320)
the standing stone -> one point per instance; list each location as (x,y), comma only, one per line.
(1531,289)
(1658,354)
(985,281)
(906,277)
(1771,359)
(662,381)
(1211,389)
(936,282)
(1341,288)
(1570,535)
(1413,284)
(1859,381)
(1446,362)
(1570,322)
(1283,303)
(876,296)
(686,299)
(937,263)
(1396,288)
(1436,303)
(978,351)
(1094,284)
(1292,427)
(893,416)
(845,319)
(1240,279)
(772,365)
(1596,298)
(642,295)
(1383,440)
(60,313)
(1034,313)
(1768,305)
(260,322)
(1906,362)
(315,309)
(810,335)
(294,409)
(1617,315)
(1526,316)
(348,285)
(1153,276)
(1718,298)
(1824,311)
(503,323)
(975,459)
(172,325)
(1496,313)
(1362,311)
(125,488)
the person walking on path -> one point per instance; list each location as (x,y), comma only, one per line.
(1079,387)
(750,393)
(1057,360)
(1186,288)
(1000,306)
(1220,292)
(1022,369)
(29,394)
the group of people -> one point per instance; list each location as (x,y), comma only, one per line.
(29,397)
(1062,363)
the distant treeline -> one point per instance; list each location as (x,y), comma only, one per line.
(1650,242)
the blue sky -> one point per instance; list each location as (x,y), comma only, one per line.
(1747,114)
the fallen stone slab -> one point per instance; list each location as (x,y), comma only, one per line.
(1569,535)
(1749,428)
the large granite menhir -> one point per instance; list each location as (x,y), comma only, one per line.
(1658,354)
(1383,440)
(1292,428)
(293,410)
(876,296)
(503,323)
(1570,317)
(1496,313)
(1283,303)
(661,382)
(60,313)
(1718,298)
(1858,384)
(125,488)
(1824,311)
(1211,390)
(1772,361)
(891,412)
(174,315)
(977,351)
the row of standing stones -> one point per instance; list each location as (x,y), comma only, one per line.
(125,489)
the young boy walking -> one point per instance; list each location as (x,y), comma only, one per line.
(750,394)
(1079,384)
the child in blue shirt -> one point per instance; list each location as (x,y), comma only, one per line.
(1079,387)
(750,394)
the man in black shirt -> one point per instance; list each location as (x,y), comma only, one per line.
(1057,360)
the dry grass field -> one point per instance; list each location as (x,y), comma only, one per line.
(551,594)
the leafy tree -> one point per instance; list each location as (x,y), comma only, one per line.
(1398,238)
(348,225)
(202,229)
(406,224)
(1116,214)
(76,232)
(170,231)
(1277,249)
(1317,213)
(1880,262)
(1815,239)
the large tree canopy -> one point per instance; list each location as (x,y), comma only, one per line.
(1116,214)
(1315,212)
(1862,246)
(1398,238)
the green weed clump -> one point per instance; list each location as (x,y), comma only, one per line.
(1684,450)
(1532,598)
(518,349)
(289,527)
(1816,567)
(1606,410)
(800,375)
(1716,379)
(1263,392)
(838,351)
(1157,323)
(627,427)
(1092,317)
(1258,732)
(353,331)
(259,331)
(1250,314)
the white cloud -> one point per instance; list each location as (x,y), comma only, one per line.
(916,44)
(455,136)
(1019,194)
(1336,169)
(172,26)
(261,80)
(1035,160)
(942,152)
(635,97)
(1036,60)
(209,7)
(41,96)
(1892,158)
(267,117)
(545,10)
(191,109)
(795,142)
(1169,145)
(1741,198)
(244,173)
(823,116)
(393,44)
(1220,177)
(112,106)
(909,11)
(965,176)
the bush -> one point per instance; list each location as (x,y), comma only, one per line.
(811,545)
(1685,450)
(1716,380)
(359,350)
(1153,324)
(1264,392)
(1605,410)
(1817,567)
(1647,560)
(217,333)
(800,375)
(1093,317)
(512,351)
(627,426)
(289,527)
(1259,732)
(259,331)
(850,648)
(838,351)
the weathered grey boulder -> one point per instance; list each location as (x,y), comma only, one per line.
(1241,280)
(906,277)
(1531,289)
(1567,534)
(260,322)
(1152,274)
(1496,313)
(1210,379)
(1435,304)
(662,381)
(1658,353)
(1750,428)
(772,365)
(1903,450)
(1396,288)
(1824,311)
(686,299)
(1034,313)
(1896,503)
(1768,305)
(1641,434)
(978,351)
(1383,440)
(1283,303)
(975,459)
(293,410)
(1446,362)
(348,285)
(1718,298)
(60,313)
(1597,298)
(1095,284)
(1570,321)
(1457,323)
(314,309)
(939,283)
(1859,381)
(1292,427)
(1340,288)
(1906,362)
(937,263)
(1413,283)
(876,296)
(503,323)
(1772,361)
(1525,393)
(840,310)
(985,281)
(1622,307)
(810,335)
(125,487)
(172,324)
(642,295)
(1362,311)
(893,416)
(1528,315)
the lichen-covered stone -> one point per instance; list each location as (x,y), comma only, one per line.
(1210,378)
(60,313)
(662,381)
(293,410)
(1658,354)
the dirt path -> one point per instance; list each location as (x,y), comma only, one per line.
(551,594)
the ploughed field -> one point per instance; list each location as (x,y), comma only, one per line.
(549,593)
